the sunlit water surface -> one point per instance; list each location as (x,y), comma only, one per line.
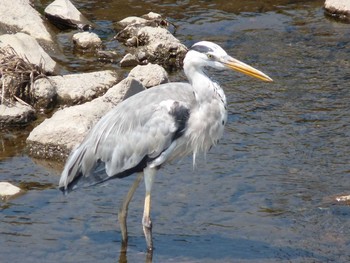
(264,194)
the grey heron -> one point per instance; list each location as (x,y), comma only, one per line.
(154,127)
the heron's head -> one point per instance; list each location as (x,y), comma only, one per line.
(208,54)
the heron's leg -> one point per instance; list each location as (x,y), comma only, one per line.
(146,220)
(123,211)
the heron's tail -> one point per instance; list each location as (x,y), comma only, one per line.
(79,165)
(82,169)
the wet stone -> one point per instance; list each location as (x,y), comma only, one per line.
(7,190)
(129,60)
(86,40)
(64,15)
(339,9)
(16,113)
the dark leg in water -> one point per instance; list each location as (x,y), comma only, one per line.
(123,212)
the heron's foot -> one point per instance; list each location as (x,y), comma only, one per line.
(147,230)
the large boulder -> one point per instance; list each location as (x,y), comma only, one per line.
(73,88)
(27,47)
(20,16)
(64,15)
(338,8)
(58,135)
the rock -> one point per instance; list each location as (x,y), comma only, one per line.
(150,19)
(150,75)
(129,60)
(152,16)
(343,199)
(16,113)
(338,8)
(107,56)
(20,16)
(7,190)
(27,47)
(64,15)
(86,40)
(44,94)
(131,20)
(163,48)
(74,88)
(159,45)
(58,135)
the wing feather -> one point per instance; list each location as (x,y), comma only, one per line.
(132,134)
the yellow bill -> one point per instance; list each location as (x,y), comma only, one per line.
(239,66)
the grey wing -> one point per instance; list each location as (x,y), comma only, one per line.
(129,137)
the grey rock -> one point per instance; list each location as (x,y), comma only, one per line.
(58,135)
(27,47)
(150,75)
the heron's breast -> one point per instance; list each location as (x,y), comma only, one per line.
(205,126)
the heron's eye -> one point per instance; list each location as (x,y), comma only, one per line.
(210,56)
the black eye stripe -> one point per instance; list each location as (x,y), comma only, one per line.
(201,49)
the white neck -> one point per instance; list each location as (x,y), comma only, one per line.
(203,86)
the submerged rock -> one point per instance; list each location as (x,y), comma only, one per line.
(338,8)
(20,16)
(64,15)
(27,47)
(343,199)
(58,135)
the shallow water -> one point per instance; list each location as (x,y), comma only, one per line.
(264,194)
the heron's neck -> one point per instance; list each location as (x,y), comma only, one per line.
(203,86)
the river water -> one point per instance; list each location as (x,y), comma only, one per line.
(266,193)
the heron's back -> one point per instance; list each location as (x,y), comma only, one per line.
(128,137)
